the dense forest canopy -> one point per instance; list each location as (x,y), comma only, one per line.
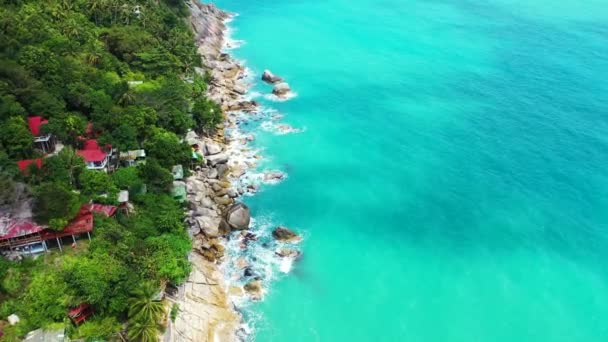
(126,71)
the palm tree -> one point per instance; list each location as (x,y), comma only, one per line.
(143,331)
(127,98)
(143,308)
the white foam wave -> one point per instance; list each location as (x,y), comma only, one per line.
(279,128)
(287,97)
(286,264)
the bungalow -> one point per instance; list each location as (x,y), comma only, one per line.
(22,236)
(44,142)
(94,156)
(131,158)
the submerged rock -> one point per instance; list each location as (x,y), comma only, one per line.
(281,89)
(287,253)
(254,289)
(285,234)
(238,216)
(269,77)
(273,176)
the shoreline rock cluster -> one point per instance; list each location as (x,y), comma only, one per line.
(206,311)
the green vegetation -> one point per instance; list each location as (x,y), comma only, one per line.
(126,67)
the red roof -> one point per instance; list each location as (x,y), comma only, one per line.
(23,164)
(107,210)
(12,228)
(35,122)
(91,144)
(91,151)
(78,310)
(83,222)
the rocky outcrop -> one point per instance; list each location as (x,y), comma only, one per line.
(238,216)
(285,234)
(287,253)
(207,22)
(205,312)
(211,249)
(220,158)
(281,90)
(271,78)
(254,289)
(212,148)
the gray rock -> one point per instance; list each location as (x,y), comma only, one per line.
(212,173)
(208,212)
(287,253)
(209,226)
(239,90)
(212,148)
(232,193)
(206,202)
(254,289)
(282,233)
(220,158)
(221,170)
(223,200)
(238,216)
(269,77)
(224,227)
(274,176)
(281,89)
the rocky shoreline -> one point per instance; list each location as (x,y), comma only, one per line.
(207,310)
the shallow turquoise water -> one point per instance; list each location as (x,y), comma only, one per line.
(451,181)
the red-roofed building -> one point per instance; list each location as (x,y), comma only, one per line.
(45,142)
(23,165)
(95,157)
(20,234)
(26,237)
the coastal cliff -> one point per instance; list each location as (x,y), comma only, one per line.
(206,312)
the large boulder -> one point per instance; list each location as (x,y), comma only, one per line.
(269,77)
(209,226)
(281,89)
(285,234)
(220,158)
(212,148)
(254,289)
(287,253)
(238,216)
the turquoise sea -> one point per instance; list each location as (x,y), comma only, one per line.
(451,180)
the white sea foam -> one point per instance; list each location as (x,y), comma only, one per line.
(255,255)
(272,97)
(286,264)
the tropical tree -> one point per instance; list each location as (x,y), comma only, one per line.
(15,138)
(145,313)
(143,331)
(143,307)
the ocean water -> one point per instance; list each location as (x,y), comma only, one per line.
(451,178)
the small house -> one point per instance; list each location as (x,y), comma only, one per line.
(95,157)
(132,158)
(23,236)
(42,141)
